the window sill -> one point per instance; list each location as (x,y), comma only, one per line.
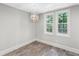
(48,33)
(63,35)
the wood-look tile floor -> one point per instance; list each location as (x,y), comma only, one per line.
(40,49)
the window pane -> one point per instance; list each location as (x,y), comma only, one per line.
(65,30)
(60,30)
(49,27)
(64,25)
(60,25)
(65,17)
(49,19)
(60,19)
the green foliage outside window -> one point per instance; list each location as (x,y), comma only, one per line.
(63,18)
(49,19)
(62,22)
(49,28)
(49,23)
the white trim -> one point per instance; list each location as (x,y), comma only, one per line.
(43,41)
(68,23)
(65,35)
(59,46)
(49,33)
(15,47)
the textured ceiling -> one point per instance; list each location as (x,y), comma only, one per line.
(37,8)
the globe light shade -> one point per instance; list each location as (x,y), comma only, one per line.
(34,18)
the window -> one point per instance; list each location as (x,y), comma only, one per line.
(61,18)
(63,22)
(49,23)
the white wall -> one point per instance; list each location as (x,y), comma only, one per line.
(73,40)
(15,27)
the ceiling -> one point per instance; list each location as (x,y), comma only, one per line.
(38,8)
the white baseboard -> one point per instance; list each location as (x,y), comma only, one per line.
(59,46)
(15,47)
(43,41)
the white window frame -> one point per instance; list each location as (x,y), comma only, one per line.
(68,23)
(45,31)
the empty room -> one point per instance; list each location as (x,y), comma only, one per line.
(39,29)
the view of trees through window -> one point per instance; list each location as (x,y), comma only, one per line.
(61,19)
(49,23)
(62,22)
